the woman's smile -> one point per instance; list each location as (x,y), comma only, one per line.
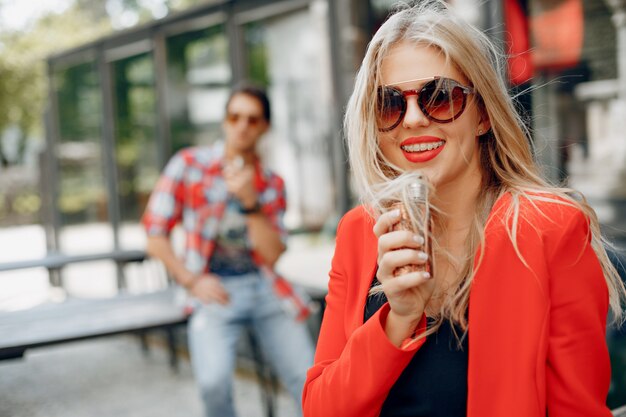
(422,148)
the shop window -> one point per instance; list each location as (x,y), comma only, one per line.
(82,192)
(199,79)
(135,133)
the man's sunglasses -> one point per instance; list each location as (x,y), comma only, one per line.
(233,118)
(441,100)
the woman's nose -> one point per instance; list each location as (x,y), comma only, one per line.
(414,117)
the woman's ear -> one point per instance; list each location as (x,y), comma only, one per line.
(484,125)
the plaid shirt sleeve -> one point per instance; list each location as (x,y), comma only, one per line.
(165,206)
(276,206)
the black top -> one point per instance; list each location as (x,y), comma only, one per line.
(434,383)
(231,256)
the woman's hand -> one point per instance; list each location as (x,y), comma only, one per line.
(408,294)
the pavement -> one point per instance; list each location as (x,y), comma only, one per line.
(112,376)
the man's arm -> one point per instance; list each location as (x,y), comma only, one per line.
(206,288)
(265,238)
(160,247)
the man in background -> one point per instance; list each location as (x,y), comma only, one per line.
(231,209)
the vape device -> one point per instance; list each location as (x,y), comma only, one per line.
(415,216)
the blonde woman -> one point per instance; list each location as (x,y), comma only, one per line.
(512,320)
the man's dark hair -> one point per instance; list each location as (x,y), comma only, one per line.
(253,91)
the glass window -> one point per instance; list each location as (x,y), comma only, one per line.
(256,50)
(82,194)
(287,54)
(134,105)
(82,198)
(199,78)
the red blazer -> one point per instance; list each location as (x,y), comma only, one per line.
(536,331)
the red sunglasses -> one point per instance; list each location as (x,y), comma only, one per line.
(233,118)
(440,99)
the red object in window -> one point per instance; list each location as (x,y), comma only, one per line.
(557,35)
(520,64)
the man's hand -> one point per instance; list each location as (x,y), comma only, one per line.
(208,289)
(240,183)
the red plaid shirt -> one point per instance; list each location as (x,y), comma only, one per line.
(192,190)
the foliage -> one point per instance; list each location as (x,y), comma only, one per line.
(23,78)
(23,84)
(24,92)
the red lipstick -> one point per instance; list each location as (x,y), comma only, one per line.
(415,150)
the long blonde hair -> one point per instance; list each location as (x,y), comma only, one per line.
(507,162)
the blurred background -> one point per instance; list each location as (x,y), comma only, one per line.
(96,95)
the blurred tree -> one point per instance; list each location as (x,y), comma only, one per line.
(185,4)
(96,10)
(23,53)
(23,71)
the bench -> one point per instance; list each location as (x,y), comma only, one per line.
(54,262)
(77,319)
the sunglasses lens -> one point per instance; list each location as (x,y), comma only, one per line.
(442,100)
(253,120)
(234,118)
(390,107)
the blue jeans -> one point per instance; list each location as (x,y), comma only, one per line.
(214,331)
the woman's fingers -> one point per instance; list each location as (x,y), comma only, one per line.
(406,291)
(385,221)
(405,282)
(399,239)
(391,240)
(390,261)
